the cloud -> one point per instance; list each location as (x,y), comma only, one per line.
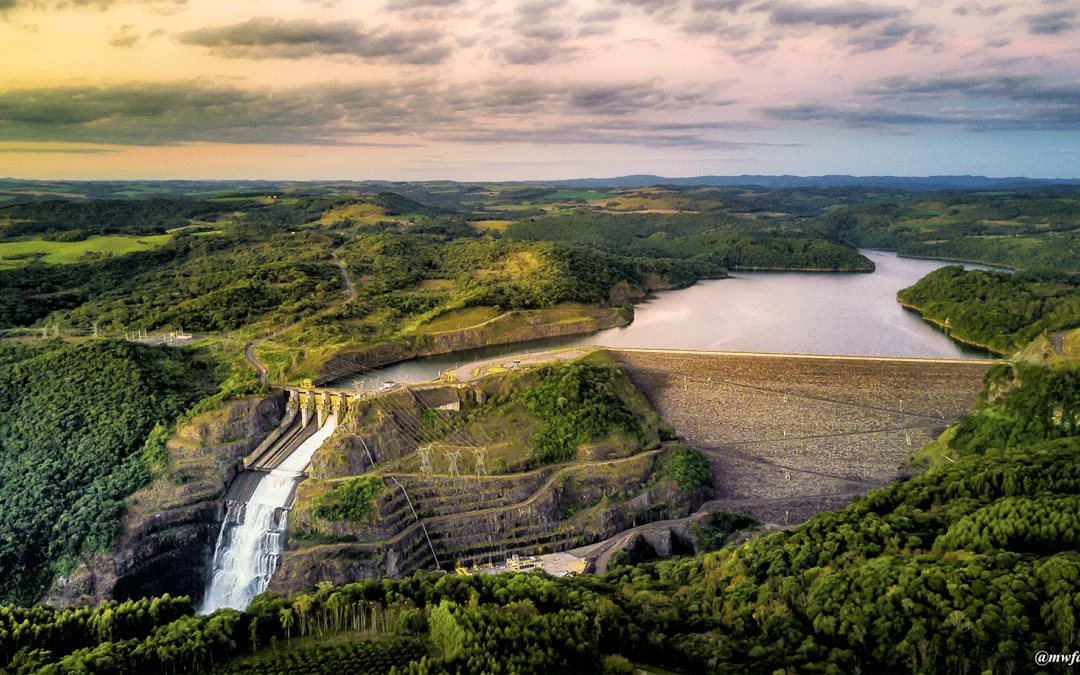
(528,55)
(718,5)
(848,116)
(976,8)
(599,15)
(987,102)
(33,150)
(405,5)
(268,38)
(849,14)
(651,6)
(125,37)
(1051,23)
(890,35)
(186,112)
(8,4)
(1026,88)
(708,24)
(165,7)
(539,35)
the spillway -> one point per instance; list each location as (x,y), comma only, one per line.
(250,541)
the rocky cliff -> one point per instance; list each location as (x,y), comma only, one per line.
(170,527)
(518,326)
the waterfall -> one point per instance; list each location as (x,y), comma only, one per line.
(250,541)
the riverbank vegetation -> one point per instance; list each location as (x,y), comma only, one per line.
(1000,311)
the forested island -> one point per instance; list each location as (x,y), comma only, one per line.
(969,565)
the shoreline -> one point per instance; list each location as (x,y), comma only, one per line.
(949,332)
(956,260)
(819,270)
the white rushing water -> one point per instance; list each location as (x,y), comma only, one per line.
(249,545)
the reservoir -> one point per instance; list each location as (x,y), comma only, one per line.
(784,312)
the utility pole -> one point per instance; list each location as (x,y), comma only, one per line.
(452,460)
(481,461)
(425,461)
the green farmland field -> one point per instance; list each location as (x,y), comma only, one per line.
(19,253)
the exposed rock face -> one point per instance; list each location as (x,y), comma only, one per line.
(170,527)
(472,520)
(519,326)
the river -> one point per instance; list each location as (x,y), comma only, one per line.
(785,312)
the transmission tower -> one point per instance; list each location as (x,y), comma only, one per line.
(452,460)
(481,461)
(425,460)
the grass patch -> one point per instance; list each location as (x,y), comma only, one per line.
(459,319)
(19,253)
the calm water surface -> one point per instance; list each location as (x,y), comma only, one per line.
(793,312)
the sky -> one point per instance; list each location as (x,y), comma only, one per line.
(537,89)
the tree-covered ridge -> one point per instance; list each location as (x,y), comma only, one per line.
(205,284)
(1024,404)
(1029,229)
(80,428)
(712,238)
(998,310)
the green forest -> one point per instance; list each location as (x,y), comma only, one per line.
(81,428)
(723,241)
(998,310)
(1028,229)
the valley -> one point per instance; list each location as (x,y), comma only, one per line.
(378,392)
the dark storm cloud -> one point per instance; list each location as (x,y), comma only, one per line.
(268,38)
(143,114)
(847,14)
(1051,23)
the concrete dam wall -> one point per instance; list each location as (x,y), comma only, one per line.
(791,435)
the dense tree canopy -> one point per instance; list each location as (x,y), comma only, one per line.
(999,310)
(74,427)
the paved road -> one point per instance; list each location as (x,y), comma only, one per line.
(249,354)
(350,290)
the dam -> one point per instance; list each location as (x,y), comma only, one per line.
(789,435)
(253,531)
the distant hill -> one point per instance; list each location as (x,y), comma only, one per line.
(929,183)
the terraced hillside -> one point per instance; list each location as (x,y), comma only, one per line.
(536,461)
(789,436)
